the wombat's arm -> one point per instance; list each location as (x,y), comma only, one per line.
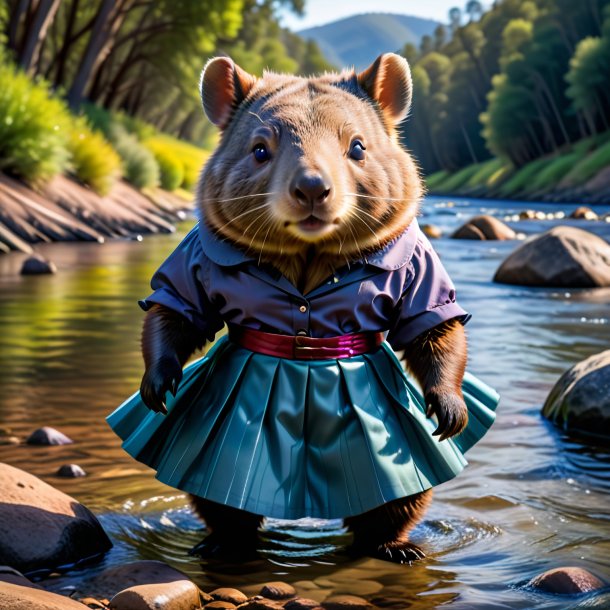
(168,339)
(437,358)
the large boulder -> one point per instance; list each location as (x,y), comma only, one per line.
(561,257)
(580,400)
(567,581)
(484,228)
(42,528)
(584,213)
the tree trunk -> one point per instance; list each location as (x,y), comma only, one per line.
(36,33)
(62,57)
(15,20)
(108,21)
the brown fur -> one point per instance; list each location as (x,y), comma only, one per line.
(308,126)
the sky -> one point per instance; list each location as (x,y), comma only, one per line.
(318,12)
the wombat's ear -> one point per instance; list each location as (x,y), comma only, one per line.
(223,86)
(388,81)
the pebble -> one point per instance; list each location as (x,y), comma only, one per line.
(278,590)
(9,440)
(70,471)
(568,580)
(220,605)
(48,436)
(177,595)
(302,603)
(226,594)
(345,602)
(261,604)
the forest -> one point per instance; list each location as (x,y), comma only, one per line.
(523,85)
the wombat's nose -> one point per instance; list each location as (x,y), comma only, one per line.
(310,188)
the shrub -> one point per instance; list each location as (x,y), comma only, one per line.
(552,174)
(436,178)
(522,178)
(455,181)
(485,171)
(33,127)
(92,159)
(171,168)
(139,165)
(191,157)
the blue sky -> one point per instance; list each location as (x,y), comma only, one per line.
(318,12)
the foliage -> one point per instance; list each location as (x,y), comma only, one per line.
(553,172)
(522,178)
(92,159)
(139,165)
(33,127)
(589,166)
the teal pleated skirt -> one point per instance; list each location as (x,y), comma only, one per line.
(290,439)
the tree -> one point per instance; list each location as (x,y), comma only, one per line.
(474,9)
(455,18)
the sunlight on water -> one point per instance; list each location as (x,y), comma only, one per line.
(530,499)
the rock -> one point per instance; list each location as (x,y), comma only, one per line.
(226,594)
(133,574)
(431,231)
(18,597)
(9,440)
(302,603)
(175,595)
(484,227)
(9,575)
(71,471)
(278,590)
(48,436)
(221,605)
(561,257)
(580,400)
(37,265)
(259,603)
(584,213)
(42,528)
(345,602)
(567,580)
(527,214)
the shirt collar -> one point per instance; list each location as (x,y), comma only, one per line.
(393,256)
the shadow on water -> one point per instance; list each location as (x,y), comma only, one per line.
(530,499)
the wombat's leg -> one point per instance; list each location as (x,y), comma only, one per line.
(234,531)
(384,531)
(437,358)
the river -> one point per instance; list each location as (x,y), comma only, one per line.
(530,499)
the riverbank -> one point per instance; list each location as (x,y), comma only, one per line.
(580,174)
(64,210)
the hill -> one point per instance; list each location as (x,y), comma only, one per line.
(359,39)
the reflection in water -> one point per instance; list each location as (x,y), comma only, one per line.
(530,500)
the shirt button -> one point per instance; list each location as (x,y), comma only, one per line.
(303,308)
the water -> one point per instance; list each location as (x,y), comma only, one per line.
(531,499)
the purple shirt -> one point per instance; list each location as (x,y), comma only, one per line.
(403,289)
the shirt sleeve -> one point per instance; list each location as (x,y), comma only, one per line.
(428,298)
(177,286)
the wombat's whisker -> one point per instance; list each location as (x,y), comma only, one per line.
(380,197)
(256,209)
(217,200)
(366,224)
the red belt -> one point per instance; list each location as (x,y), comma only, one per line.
(303,347)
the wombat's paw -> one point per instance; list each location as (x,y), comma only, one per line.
(218,547)
(162,377)
(450,410)
(399,552)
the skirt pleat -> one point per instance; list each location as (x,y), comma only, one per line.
(289,439)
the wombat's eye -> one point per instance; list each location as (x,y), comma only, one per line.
(356,150)
(261,154)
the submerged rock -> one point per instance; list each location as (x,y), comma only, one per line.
(48,436)
(42,528)
(566,580)
(561,257)
(70,471)
(346,602)
(580,400)
(37,265)
(302,603)
(484,228)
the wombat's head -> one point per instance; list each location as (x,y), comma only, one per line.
(308,161)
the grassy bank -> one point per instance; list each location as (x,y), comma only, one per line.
(580,173)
